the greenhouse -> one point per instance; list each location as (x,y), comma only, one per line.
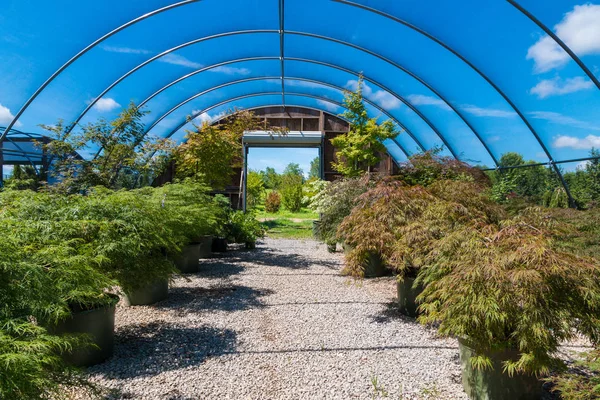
(301,199)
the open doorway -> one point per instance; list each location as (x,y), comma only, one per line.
(277,186)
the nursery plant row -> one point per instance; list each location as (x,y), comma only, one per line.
(65,260)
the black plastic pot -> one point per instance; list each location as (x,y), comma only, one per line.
(99,325)
(407,297)
(148,294)
(373,266)
(315,228)
(205,243)
(219,245)
(250,245)
(494,384)
(189,258)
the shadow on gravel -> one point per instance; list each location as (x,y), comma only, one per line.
(390,313)
(149,349)
(215,298)
(268,257)
(218,270)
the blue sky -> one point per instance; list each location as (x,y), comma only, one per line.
(260,158)
(553,93)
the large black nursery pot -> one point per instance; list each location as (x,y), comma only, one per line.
(205,247)
(189,258)
(373,266)
(148,294)
(495,384)
(407,296)
(99,324)
(219,245)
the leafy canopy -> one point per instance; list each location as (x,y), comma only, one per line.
(359,149)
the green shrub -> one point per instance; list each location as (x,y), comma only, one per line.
(336,202)
(508,285)
(291,192)
(255,187)
(244,228)
(273,202)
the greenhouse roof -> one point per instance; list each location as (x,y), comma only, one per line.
(478,78)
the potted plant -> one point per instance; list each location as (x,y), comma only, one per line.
(334,202)
(245,228)
(135,237)
(63,249)
(221,230)
(192,214)
(511,295)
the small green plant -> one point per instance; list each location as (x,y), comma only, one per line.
(255,187)
(273,202)
(378,388)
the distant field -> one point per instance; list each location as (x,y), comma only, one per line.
(286,224)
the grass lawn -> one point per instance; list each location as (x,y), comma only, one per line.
(286,224)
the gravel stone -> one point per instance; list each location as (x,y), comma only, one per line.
(277,322)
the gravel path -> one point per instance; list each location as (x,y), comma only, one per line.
(279,322)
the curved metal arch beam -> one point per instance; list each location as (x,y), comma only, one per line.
(394,64)
(558,40)
(193,116)
(484,76)
(156,57)
(273,58)
(273,78)
(85,50)
(23,153)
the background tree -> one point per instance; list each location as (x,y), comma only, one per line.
(315,168)
(212,152)
(291,187)
(271,178)
(359,149)
(293,169)
(255,188)
(128,158)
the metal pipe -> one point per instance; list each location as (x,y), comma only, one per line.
(162,117)
(85,50)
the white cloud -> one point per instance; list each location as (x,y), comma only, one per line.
(205,117)
(560,119)
(124,50)
(488,112)
(6,117)
(582,165)
(230,70)
(572,142)
(297,83)
(176,59)
(558,86)
(579,29)
(419,99)
(105,104)
(328,106)
(381,97)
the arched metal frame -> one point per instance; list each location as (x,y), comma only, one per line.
(228,34)
(272,78)
(282,33)
(307,95)
(339,68)
(562,44)
(263,58)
